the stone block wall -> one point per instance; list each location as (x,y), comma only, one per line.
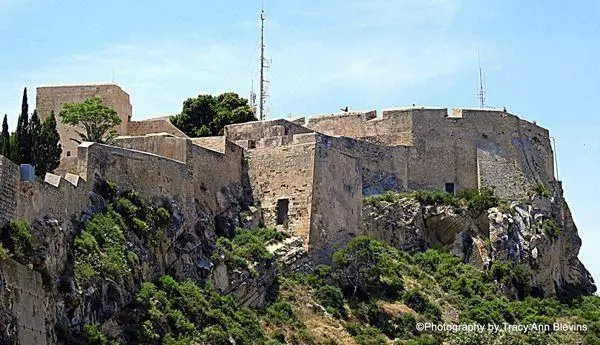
(162,145)
(9,182)
(52,98)
(459,149)
(264,133)
(285,173)
(393,128)
(336,200)
(382,167)
(157,125)
(431,147)
(22,290)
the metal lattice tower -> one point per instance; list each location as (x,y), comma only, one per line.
(481,92)
(264,64)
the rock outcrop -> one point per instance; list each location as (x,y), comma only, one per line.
(519,232)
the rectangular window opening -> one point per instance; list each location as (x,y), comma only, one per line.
(282,211)
(449,187)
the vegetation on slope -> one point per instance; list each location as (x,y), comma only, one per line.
(372,294)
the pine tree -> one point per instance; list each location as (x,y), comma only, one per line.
(48,149)
(23,142)
(5,139)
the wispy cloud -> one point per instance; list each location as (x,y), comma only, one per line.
(160,74)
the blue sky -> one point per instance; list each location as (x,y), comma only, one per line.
(540,60)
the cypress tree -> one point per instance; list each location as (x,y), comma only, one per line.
(48,149)
(5,139)
(36,140)
(22,138)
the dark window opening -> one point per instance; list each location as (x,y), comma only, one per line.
(68,153)
(251,144)
(282,211)
(449,188)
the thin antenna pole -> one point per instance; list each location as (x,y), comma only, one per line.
(481,93)
(261,104)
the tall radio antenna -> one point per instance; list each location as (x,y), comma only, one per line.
(481,92)
(264,64)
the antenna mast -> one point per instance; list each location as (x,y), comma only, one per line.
(481,92)
(264,63)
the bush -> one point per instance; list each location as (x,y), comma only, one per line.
(482,201)
(421,304)
(172,312)
(365,335)
(366,267)
(281,313)
(94,336)
(17,238)
(331,298)
(247,246)
(437,198)
(550,228)
(541,190)
(510,274)
(162,217)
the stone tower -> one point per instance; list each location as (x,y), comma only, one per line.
(52,98)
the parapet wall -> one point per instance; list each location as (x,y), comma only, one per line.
(258,134)
(392,129)
(157,125)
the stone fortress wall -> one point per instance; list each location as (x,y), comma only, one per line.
(308,175)
(52,98)
(467,147)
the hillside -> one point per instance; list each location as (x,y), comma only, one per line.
(115,276)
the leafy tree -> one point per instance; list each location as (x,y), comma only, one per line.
(96,119)
(22,148)
(47,148)
(368,267)
(5,139)
(207,115)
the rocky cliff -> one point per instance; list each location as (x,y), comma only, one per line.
(538,233)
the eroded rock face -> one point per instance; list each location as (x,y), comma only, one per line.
(500,234)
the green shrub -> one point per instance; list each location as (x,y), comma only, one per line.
(541,190)
(125,207)
(331,298)
(18,239)
(550,228)
(106,189)
(184,312)
(4,253)
(510,274)
(162,217)
(482,201)
(247,246)
(421,304)
(366,267)
(365,335)
(437,198)
(94,336)
(281,313)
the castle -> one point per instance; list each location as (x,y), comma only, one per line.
(308,175)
